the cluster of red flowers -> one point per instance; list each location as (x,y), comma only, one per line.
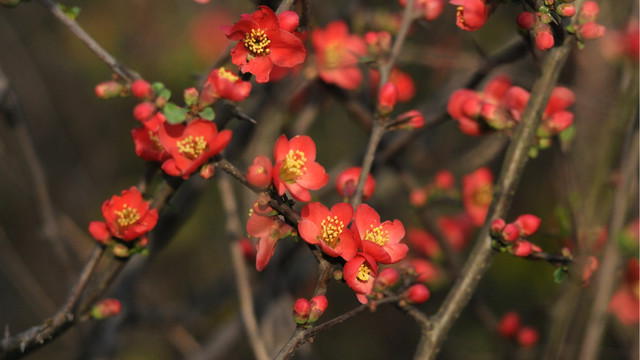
(538,22)
(500,107)
(511,327)
(513,235)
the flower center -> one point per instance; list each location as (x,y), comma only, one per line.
(127,216)
(483,195)
(459,13)
(157,145)
(293,166)
(333,56)
(331,230)
(377,235)
(191,147)
(226,74)
(363,272)
(257,42)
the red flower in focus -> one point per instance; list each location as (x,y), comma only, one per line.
(337,54)
(264,40)
(380,240)
(360,274)
(191,145)
(127,217)
(268,230)
(328,229)
(222,83)
(477,190)
(625,303)
(148,146)
(296,169)
(347,181)
(260,172)
(430,8)
(471,14)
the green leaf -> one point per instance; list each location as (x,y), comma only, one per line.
(161,90)
(566,137)
(207,113)
(72,13)
(558,275)
(174,113)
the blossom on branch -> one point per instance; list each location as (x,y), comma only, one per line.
(295,167)
(380,240)
(471,15)
(360,274)
(477,190)
(328,229)
(222,83)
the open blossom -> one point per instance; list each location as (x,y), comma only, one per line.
(328,229)
(477,191)
(264,40)
(222,83)
(360,274)
(268,230)
(296,169)
(148,146)
(347,181)
(380,240)
(191,145)
(127,217)
(337,52)
(471,15)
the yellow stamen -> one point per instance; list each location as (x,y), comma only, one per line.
(483,195)
(191,147)
(257,42)
(377,235)
(331,230)
(459,11)
(333,56)
(157,145)
(363,272)
(127,216)
(293,166)
(226,74)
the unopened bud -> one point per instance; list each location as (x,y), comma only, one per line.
(528,336)
(120,250)
(418,293)
(301,311)
(143,111)
(386,279)
(105,309)
(510,233)
(207,171)
(387,98)
(566,10)
(191,96)
(141,89)
(528,224)
(496,227)
(521,248)
(526,20)
(318,304)
(109,89)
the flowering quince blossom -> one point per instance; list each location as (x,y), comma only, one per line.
(430,8)
(296,169)
(380,240)
(403,82)
(625,303)
(268,230)
(260,172)
(418,293)
(347,181)
(477,190)
(148,146)
(471,15)
(222,83)
(337,54)
(191,145)
(328,229)
(127,217)
(264,40)
(360,274)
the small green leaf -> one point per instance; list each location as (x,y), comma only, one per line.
(72,13)
(174,113)
(161,90)
(558,276)
(566,137)
(207,114)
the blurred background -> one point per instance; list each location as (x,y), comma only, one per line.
(181,301)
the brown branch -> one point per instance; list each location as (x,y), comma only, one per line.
(514,164)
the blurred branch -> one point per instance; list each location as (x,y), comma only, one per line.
(513,166)
(123,72)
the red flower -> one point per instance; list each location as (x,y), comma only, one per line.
(527,336)
(360,274)
(337,54)
(347,181)
(191,145)
(430,8)
(222,83)
(456,230)
(556,118)
(127,217)
(509,325)
(296,169)
(544,37)
(418,293)
(328,229)
(268,230)
(423,242)
(148,146)
(380,240)
(625,303)
(260,172)
(264,40)
(477,190)
(425,271)
(403,82)
(471,14)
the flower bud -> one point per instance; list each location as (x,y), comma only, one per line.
(418,197)
(191,96)
(318,305)
(528,224)
(528,336)
(347,181)
(544,37)
(418,293)
(444,180)
(591,30)
(378,42)
(301,311)
(510,233)
(589,12)
(545,18)
(526,20)
(105,309)
(509,325)
(497,226)
(109,89)
(566,10)
(260,172)
(141,89)
(410,120)
(386,279)
(387,98)
(521,248)
(120,250)
(143,111)
(207,171)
